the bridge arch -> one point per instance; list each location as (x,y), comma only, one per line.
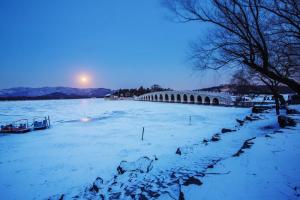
(215,101)
(192,99)
(206,101)
(185,98)
(178,98)
(199,99)
(161,98)
(167,97)
(155,97)
(172,98)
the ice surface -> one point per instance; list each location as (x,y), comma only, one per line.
(92,138)
(89,138)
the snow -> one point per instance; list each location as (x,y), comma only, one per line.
(269,170)
(89,138)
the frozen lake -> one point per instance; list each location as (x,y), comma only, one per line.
(90,137)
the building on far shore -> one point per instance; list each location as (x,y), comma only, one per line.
(111,97)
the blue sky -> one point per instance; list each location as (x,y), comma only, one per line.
(117,44)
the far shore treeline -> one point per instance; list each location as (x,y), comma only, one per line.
(233,89)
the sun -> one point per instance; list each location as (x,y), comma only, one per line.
(83,79)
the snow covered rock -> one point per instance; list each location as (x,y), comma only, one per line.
(292,111)
(216,137)
(241,122)
(205,141)
(286,121)
(57,197)
(96,185)
(226,130)
(246,145)
(142,165)
(192,180)
(260,109)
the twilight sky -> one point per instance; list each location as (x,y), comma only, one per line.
(114,44)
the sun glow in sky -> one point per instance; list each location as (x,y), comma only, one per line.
(84,80)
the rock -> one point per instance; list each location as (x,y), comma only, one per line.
(57,197)
(205,141)
(96,185)
(210,166)
(192,180)
(260,109)
(267,136)
(152,194)
(142,165)
(226,130)
(248,118)
(237,154)
(292,111)
(286,121)
(181,196)
(246,145)
(215,137)
(120,169)
(241,122)
(178,151)
(143,197)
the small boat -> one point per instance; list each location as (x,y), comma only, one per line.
(41,123)
(20,126)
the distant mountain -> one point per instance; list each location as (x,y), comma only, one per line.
(53,92)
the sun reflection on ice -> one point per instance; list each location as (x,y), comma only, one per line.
(85,119)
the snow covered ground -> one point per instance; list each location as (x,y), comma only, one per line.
(89,138)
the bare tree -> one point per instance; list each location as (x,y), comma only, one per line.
(242,82)
(273,87)
(246,78)
(246,33)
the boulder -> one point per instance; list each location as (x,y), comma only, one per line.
(181,196)
(192,180)
(292,111)
(216,137)
(142,165)
(237,154)
(260,109)
(96,185)
(248,118)
(205,141)
(226,130)
(241,122)
(284,121)
(210,166)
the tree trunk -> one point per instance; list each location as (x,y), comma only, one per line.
(277,104)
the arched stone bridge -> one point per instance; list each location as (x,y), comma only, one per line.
(192,97)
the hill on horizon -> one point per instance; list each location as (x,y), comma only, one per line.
(47,91)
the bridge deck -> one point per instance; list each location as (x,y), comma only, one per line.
(187,96)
